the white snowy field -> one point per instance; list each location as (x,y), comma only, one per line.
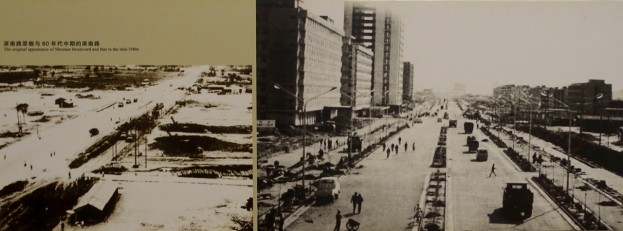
(176,206)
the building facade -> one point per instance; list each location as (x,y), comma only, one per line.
(584,97)
(298,54)
(381,31)
(356,75)
(407,82)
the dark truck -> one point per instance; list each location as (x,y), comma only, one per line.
(468,127)
(518,200)
(472,144)
(482,155)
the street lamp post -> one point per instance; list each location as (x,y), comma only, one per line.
(278,87)
(352,126)
(569,141)
(370,118)
(352,129)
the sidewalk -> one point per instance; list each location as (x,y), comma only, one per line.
(613,180)
(334,155)
(608,210)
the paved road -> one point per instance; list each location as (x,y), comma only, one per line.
(476,199)
(609,210)
(391,187)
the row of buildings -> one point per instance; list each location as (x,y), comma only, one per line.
(591,104)
(310,70)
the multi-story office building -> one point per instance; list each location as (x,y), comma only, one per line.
(589,98)
(356,75)
(407,82)
(381,31)
(301,53)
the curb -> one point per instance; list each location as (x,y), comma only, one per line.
(602,192)
(449,209)
(549,200)
(295,215)
(416,227)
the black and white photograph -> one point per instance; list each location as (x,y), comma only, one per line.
(126,147)
(439,115)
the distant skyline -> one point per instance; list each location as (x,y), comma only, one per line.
(486,44)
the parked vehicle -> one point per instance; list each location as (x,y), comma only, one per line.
(482,155)
(327,188)
(518,200)
(452,124)
(472,144)
(120,104)
(468,127)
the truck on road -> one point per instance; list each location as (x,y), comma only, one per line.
(518,200)
(327,188)
(468,127)
(472,144)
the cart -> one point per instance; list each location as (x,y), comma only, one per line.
(352,225)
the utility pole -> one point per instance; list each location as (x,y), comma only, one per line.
(145,152)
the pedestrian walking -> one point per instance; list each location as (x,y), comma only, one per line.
(396,149)
(69,175)
(492,171)
(359,201)
(388,152)
(534,158)
(413,146)
(399,140)
(406,146)
(50,154)
(280,220)
(384,146)
(393,147)
(338,220)
(31,167)
(270,220)
(354,200)
(418,214)
(5,156)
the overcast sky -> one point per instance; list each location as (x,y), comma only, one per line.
(484,44)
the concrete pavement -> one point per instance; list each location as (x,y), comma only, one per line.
(391,187)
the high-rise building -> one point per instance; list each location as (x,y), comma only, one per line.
(300,53)
(356,75)
(380,30)
(407,82)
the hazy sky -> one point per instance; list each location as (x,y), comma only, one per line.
(484,44)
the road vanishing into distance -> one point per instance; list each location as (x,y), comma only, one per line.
(392,187)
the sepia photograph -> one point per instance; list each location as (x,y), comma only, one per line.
(444,115)
(126,147)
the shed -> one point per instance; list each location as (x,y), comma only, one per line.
(97,203)
(60,100)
